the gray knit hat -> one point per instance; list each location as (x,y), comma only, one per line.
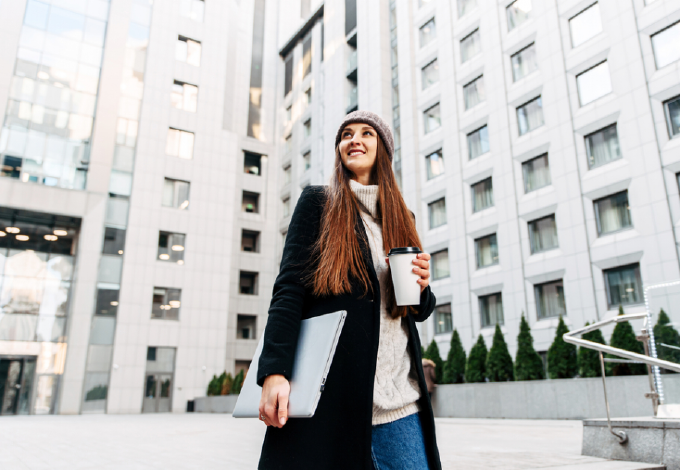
(372,119)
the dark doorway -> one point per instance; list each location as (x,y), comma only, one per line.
(16,384)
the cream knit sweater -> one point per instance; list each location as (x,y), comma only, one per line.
(395,389)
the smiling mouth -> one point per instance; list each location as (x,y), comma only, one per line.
(354,153)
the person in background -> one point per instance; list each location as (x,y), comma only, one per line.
(430,375)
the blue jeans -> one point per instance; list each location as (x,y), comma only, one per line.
(399,445)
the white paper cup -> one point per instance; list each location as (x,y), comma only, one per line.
(406,287)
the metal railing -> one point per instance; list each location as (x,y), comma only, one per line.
(632,357)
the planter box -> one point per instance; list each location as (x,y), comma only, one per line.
(216,404)
(551,399)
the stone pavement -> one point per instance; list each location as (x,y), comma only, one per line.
(218,441)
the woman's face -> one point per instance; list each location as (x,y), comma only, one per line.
(358,149)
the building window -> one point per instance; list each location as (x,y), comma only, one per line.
(107,302)
(666,45)
(585,25)
(536,173)
(114,241)
(252,163)
(437,213)
(550,299)
(443,320)
(250,202)
(166,303)
(175,193)
(518,13)
(250,241)
(486,249)
(188,50)
(465,7)
(603,146)
(288,144)
(171,247)
(306,161)
(246,326)
(289,114)
(308,95)
(440,264)
(612,213)
(491,309)
(478,142)
(427,33)
(434,164)
(432,119)
(307,129)
(672,108)
(287,174)
(594,83)
(180,144)
(482,195)
(543,234)
(247,283)
(523,62)
(474,92)
(193,9)
(184,96)
(430,74)
(286,206)
(288,78)
(624,285)
(470,46)
(306,56)
(530,116)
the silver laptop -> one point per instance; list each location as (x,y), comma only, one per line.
(315,349)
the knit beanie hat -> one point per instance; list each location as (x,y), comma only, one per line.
(375,121)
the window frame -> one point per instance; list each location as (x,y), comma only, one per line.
(164,307)
(480,303)
(443,330)
(524,173)
(472,189)
(589,156)
(596,208)
(464,60)
(430,209)
(428,164)
(669,123)
(571,32)
(448,266)
(538,294)
(532,246)
(516,78)
(638,284)
(477,241)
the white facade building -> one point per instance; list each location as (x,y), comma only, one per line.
(137,224)
(538,145)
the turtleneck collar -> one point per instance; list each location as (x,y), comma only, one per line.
(367,195)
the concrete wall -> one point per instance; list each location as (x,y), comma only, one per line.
(550,399)
(218,404)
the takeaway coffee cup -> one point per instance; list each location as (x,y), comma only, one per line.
(406,287)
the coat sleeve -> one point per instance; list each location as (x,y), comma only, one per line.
(285,309)
(427,300)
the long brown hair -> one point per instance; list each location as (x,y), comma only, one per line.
(337,248)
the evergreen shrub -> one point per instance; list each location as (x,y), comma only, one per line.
(475,369)
(623,337)
(589,359)
(664,333)
(528,363)
(499,366)
(432,353)
(454,369)
(562,360)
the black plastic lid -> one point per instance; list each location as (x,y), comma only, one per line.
(404,250)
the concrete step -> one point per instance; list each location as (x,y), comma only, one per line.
(609,465)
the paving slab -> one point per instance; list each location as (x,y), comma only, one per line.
(205,440)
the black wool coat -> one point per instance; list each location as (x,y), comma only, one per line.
(338,436)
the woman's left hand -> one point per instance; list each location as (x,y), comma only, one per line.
(422,269)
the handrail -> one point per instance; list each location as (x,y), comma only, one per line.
(652,361)
(602,348)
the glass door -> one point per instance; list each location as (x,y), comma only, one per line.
(16,384)
(157,393)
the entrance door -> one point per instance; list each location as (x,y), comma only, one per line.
(16,383)
(157,393)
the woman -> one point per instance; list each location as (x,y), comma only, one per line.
(374,412)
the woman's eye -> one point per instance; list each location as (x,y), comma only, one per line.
(346,134)
(368,132)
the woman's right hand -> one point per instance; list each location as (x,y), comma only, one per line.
(274,401)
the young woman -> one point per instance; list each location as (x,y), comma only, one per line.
(374,412)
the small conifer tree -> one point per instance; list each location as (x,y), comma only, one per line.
(562,361)
(227,382)
(528,364)
(432,353)
(623,337)
(475,369)
(499,366)
(213,386)
(454,369)
(589,359)
(664,333)
(238,383)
